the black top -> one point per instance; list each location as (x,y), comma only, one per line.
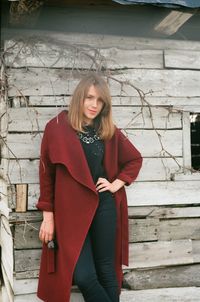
(94,149)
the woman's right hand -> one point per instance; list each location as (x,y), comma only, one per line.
(47,227)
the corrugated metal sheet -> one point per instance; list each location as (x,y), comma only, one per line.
(166,3)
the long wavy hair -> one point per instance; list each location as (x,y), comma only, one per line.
(103,123)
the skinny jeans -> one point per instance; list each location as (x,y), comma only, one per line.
(94,272)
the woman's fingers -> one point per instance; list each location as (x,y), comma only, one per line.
(102,184)
(45,237)
(46,231)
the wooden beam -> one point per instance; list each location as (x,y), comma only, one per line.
(56,82)
(145,140)
(21,198)
(165,277)
(182,59)
(172,22)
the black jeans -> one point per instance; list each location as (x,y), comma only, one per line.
(94,272)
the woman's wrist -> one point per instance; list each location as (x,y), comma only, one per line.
(118,184)
(48,216)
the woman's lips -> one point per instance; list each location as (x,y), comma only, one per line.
(91,111)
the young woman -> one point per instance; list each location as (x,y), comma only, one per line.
(85,163)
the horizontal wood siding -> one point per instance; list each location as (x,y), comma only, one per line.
(34,119)
(53,81)
(20,144)
(154,85)
(182,59)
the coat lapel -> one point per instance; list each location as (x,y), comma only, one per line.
(68,151)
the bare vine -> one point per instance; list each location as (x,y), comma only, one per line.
(98,63)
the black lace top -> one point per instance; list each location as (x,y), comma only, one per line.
(93,147)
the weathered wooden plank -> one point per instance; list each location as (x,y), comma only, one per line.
(6,240)
(38,81)
(172,22)
(182,59)
(142,255)
(11,194)
(7,292)
(27,145)
(140,212)
(23,171)
(161,212)
(35,54)
(33,196)
(153,169)
(23,145)
(26,235)
(6,248)
(188,108)
(21,198)
(160,82)
(34,119)
(54,101)
(163,193)
(137,279)
(162,167)
(153,143)
(25,298)
(167,213)
(196,250)
(195,176)
(175,229)
(27,260)
(160,253)
(27,275)
(143,230)
(4,295)
(134,212)
(150,194)
(102,41)
(165,277)
(150,229)
(29,217)
(60,100)
(187,294)
(25,286)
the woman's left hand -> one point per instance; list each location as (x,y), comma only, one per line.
(104,185)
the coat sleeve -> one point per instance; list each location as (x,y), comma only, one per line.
(129,158)
(46,176)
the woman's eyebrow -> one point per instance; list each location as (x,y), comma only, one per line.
(91,95)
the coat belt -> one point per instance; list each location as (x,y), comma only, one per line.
(51,261)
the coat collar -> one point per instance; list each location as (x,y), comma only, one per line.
(67,150)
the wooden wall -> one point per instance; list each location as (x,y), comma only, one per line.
(155,84)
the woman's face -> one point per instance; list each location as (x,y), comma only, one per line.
(92,105)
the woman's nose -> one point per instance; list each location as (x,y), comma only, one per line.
(94,103)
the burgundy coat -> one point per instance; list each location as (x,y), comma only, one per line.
(67,189)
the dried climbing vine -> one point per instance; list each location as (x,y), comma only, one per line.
(72,53)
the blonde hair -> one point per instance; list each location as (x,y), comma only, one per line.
(103,123)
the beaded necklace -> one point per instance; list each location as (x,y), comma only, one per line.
(89,136)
